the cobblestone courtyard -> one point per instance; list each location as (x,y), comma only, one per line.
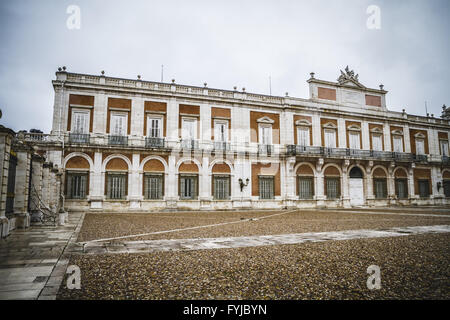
(291,254)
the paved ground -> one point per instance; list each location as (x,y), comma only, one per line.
(297,254)
(32,263)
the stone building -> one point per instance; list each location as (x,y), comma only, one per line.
(138,145)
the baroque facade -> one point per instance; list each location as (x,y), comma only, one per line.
(137,145)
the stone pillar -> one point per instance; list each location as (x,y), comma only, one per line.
(342,139)
(205,123)
(172,183)
(406,138)
(391,183)
(21,191)
(365,135)
(205,184)
(436,176)
(319,184)
(387,137)
(172,122)
(316,130)
(287,130)
(369,181)
(134,182)
(345,187)
(289,180)
(97,183)
(411,190)
(6,136)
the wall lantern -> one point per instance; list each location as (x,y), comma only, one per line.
(242,184)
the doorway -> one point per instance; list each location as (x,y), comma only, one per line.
(356,190)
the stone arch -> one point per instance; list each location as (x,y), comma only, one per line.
(149,159)
(78,154)
(332,170)
(379,171)
(114,156)
(182,160)
(398,170)
(221,161)
(446,174)
(357,171)
(297,167)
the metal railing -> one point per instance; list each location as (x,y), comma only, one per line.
(265,149)
(190,144)
(420,157)
(118,140)
(156,143)
(221,146)
(79,138)
(445,160)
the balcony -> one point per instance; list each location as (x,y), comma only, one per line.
(303,150)
(265,149)
(221,146)
(420,157)
(445,160)
(81,138)
(189,144)
(154,143)
(118,140)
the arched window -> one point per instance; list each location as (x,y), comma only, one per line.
(116,179)
(305,182)
(77,178)
(153,180)
(356,173)
(379,183)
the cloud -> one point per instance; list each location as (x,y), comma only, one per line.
(225,44)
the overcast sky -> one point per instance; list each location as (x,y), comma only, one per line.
(226,44)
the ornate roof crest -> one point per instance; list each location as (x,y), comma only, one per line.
(348,75)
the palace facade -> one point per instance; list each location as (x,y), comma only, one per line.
(137,145)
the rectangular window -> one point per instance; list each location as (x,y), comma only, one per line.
(303,138)
(377,142)
(221,187)
(119,124)
(398,143)
(116,185)
(155,127)
(380,188)
(189,129)
(447,188)
(420,146)
(221,131)
(333,188)
(354,139)
(153,186)
(266,187)
(265,134)
(80,122)
(330,138)
(305,187)
(76,187)
(188,187)
(444,147)
(424,188)
(401,188)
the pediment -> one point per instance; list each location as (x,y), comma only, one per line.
(330,125)
(376,130)
(265,120)
(302,122)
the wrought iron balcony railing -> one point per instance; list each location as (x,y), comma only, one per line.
(156,143)
(420,157)
(189,144)
(118,140)
(79,138)
(221,146)
(445,160)
(265,149)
